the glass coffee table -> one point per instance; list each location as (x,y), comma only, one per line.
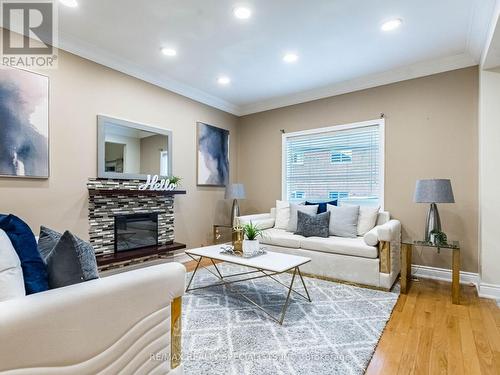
(269,264)
(406,254)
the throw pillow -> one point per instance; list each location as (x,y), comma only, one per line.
(322,205)
(344,221)
(367,219)
(24,242)
(294,209)
(11,273)
(313,225)
(70,261)
(282,215)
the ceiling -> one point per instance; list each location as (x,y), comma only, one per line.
(340,44)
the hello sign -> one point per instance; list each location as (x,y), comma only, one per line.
(155,183)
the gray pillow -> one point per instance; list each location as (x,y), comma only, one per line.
(313,225)
(344,221)
(294,208)
(69,261)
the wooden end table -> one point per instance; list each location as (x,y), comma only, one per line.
(406,254)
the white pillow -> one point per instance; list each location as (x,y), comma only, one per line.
(367,219)
(11,273)
(294,209)
(282,215)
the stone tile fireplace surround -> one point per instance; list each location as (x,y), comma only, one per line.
(109,198)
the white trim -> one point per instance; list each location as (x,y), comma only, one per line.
(404,73)
(489,291)
(89,51)
(443,274)
(379,122)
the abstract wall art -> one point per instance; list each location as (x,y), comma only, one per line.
(24,124)
(213,155)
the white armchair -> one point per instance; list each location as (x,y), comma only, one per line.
(127,323)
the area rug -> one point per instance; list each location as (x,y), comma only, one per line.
(335,334)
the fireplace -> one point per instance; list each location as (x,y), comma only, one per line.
(135,231)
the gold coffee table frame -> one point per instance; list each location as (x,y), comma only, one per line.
(262,274)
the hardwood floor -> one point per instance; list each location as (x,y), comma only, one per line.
(427,334)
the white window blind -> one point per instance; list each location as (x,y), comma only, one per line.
(344,162)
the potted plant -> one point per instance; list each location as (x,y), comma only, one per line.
(251,243)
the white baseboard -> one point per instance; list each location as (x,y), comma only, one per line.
(483,289)
(443,274)
(489,291)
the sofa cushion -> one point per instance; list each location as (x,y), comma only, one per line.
(24,242)
(344,221)
(322,205)
(282,215)
(70,261)
(313,225)
(294,209)
(11,273)
(340,245)
(280,237)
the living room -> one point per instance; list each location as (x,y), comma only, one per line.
(228,187)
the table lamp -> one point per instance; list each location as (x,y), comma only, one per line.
(235,192)
(433,191)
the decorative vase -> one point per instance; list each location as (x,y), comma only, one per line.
(237,239)
(250,247)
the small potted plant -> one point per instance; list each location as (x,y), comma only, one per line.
(251,243)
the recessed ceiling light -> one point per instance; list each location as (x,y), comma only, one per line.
(391,24)
(224,80)
(242,13)
(290,57)
(69,3)
(169,52)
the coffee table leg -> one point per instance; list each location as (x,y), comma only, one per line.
(285,306)
(217,269)
(304,284)
(194,273)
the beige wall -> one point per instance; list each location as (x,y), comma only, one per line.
(79,90)
(431,132)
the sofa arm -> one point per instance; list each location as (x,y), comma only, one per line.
(117,324)
(263,221)
(388,232)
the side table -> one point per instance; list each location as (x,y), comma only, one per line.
(406,254)
(216,232)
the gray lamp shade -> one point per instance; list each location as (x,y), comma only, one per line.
(235,191)
(434,191)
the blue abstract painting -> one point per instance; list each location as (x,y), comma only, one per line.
(213,155)
(24,123)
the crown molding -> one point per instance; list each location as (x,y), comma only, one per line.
(490,57)
(88,51)
(421,69)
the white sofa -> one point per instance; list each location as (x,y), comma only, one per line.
(119,324)
(371,260)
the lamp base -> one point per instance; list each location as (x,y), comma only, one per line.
(433,222)
(235,212)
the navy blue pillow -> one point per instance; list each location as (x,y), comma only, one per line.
(24,242)
(321,205)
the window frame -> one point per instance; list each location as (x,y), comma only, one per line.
(377,122)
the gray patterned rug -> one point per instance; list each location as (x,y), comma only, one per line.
(335,334)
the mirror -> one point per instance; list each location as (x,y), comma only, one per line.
(128,150)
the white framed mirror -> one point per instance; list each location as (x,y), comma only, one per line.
(129,150)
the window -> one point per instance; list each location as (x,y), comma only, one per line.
(298,158)
(338,194)
(340,162)
(344,156)
(298,195)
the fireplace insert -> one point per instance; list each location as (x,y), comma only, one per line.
(135,231)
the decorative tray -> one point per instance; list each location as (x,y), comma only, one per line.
(229,250)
